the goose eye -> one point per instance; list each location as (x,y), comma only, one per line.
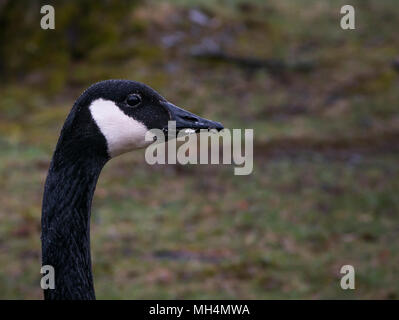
(133,99)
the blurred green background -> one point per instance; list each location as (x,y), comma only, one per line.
(324,106)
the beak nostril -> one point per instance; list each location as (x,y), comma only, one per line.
(187,120)
(190,118)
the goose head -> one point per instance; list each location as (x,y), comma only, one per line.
(123,111)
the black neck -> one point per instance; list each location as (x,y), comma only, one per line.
(68,194)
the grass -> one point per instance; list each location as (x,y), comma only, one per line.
(324,191)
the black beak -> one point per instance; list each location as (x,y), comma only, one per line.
(188,120)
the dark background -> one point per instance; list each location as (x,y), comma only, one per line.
(324,105)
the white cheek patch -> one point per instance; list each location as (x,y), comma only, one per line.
(122,132)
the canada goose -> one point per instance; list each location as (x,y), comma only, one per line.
(110,118)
